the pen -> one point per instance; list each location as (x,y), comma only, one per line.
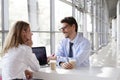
(53,55)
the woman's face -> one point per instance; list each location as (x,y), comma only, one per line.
(27,35)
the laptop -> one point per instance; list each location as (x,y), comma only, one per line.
(41,55)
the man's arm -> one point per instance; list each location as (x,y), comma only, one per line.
(51,57)
(83,53)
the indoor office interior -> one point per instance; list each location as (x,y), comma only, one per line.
(98,21)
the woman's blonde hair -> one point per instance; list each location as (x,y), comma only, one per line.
(14,37)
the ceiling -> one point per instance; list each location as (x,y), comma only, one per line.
(112,4)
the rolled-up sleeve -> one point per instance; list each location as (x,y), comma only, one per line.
(61,53)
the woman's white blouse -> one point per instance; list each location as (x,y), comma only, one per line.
(17,60)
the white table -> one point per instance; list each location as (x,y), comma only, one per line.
(0,68)
(92,73)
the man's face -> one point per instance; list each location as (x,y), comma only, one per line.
(67,29)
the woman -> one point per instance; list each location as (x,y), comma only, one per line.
(18,54)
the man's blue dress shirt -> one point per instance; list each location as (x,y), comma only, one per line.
(81,50)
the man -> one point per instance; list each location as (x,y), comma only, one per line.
(80,49)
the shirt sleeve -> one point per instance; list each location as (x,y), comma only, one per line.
(31,60)
(61,53)
(82,55)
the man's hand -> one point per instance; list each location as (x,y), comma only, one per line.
(28,74)
(66,65)
(52,57)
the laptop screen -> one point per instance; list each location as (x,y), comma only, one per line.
(40,53)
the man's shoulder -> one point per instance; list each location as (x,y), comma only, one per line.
(84,39)
(64,41)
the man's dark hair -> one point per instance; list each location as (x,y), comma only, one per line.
(70,21)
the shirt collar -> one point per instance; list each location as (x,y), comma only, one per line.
(78,36)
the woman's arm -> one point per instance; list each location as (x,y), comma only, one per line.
(28,74)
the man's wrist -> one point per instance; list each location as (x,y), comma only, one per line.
(60,63)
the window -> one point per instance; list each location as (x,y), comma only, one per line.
(42,39)
(0,16)
(61,10)
(41,32)
(18,10)
(0,27)
(79,19)
(44,15)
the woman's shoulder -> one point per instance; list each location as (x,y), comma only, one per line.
(24,47)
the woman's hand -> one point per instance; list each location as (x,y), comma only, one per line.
(28,74)
(29,42)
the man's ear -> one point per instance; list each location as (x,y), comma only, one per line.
(73,26)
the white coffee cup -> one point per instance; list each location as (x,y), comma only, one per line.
(53,64)
(73,62)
